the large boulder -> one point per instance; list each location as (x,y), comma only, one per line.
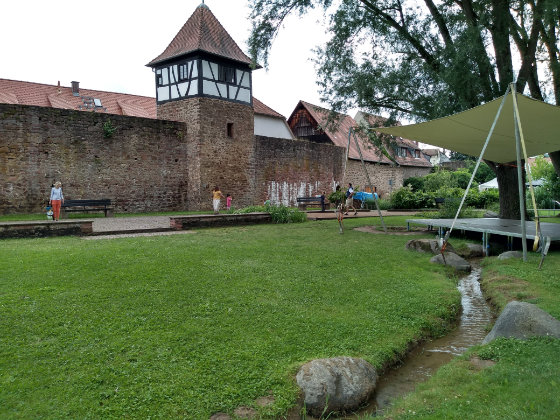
(340,384)
(472,251)
(452,260)
(429,246)
(523,320)
(510,254)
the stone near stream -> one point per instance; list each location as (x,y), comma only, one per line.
(429,246)
(472,251)
(341,384)
(523,320)
(452,260)
(510,254)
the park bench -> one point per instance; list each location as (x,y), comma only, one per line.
(305,201)
(103,205)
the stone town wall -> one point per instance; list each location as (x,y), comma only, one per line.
(287,169)
(143,167)
(150,165)
(410,171)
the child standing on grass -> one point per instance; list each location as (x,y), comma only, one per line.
(228,201)
(216,196)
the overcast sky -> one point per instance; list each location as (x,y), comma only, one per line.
(105,45)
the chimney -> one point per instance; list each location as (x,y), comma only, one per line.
(76,88)
(59,90)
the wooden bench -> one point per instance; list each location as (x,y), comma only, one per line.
(103,205)
(305,201)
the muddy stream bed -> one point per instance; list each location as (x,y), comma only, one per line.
(429,356)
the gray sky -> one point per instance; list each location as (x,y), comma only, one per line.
(105,44)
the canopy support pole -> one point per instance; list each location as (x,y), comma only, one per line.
(520,178)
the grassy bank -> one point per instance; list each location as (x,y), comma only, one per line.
(188,325)
(507,378)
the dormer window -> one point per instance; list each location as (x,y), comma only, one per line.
(402,152)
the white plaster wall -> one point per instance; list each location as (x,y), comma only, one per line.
(271,127)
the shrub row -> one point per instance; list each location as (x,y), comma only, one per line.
(407,198)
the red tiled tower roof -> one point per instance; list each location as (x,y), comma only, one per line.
(202,32)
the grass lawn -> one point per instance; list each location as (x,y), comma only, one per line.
(185,326)
(522,378)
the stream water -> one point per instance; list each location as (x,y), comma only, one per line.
(423,361)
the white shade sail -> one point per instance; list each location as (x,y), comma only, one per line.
(467,131)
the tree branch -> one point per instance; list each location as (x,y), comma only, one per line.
(426,56)
(440,23)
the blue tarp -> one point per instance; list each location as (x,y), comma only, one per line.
(363,196)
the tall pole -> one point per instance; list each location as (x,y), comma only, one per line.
(347,153)
(367,178)
(520,179)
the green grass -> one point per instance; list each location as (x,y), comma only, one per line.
(185,326)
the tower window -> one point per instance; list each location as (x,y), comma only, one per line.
(183,72)
(226,74)
(229,130)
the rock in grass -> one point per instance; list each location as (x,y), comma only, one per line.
(339,384)
(523,320)
(510,254)
(429,246)
(452,260)
(472,251)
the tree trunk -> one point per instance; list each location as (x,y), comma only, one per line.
(555,159)
(509,190)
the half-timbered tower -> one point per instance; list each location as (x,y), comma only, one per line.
(203,79)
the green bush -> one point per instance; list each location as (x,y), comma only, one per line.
(448,210)
(251,209)
(283,214)
(405,198)
(416,182)
(383,204)
(447,179)
(279,214)
(484,172)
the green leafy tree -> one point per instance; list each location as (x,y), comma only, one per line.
(426,59)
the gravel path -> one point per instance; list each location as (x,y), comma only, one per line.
(115,224)
(134,235)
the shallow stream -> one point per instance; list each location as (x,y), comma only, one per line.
(423,362)
(427,358)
